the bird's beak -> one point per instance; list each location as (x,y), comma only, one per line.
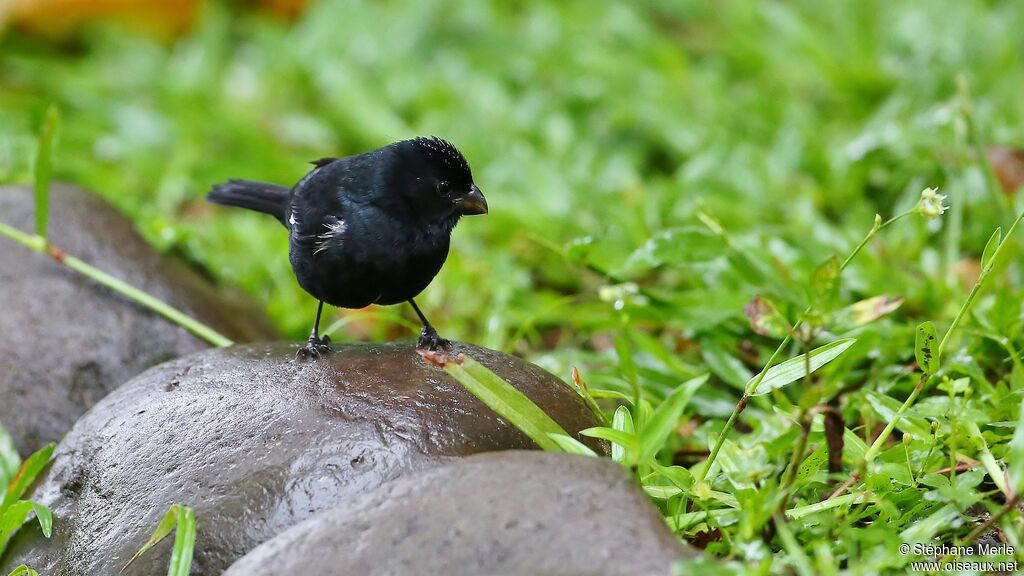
(473,203)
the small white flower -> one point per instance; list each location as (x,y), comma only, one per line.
(930,205)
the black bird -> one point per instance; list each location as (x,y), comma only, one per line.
(368,229)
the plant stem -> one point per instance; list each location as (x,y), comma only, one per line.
(975,290)
(877,444)
(752,386)
(977,287)
(794,462)
(806,418)
(845,486)
(39,244)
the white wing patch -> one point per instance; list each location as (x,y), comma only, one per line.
(332,236)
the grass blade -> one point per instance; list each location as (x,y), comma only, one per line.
(665,418)
(16,515)
(39,244)
(25,475)
(182,518)
(44,164)
(45,517)
(990,247)
(627,440)
(184,544)
(622,421)
(10,461)
(572,445)
(1015,457)
(12,518)
(986,457)
(795,368)
(502,397)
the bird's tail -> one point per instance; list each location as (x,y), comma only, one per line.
(259,196)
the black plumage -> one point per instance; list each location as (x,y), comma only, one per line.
(368,229)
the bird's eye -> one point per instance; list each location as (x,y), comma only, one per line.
(443,188)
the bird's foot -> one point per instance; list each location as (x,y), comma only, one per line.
(430,340)
(315,348)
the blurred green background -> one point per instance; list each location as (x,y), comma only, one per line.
(592,127)
(651,167)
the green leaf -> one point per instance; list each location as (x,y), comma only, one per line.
(825,285)
(864,312)
(810,466)
(507,401)
(680,477)
(12,518)
(721,516)
(927,528)
(925,348)
(622,420)
(183,519)
(686,245)
(10,461)
(27,474)
(765,318)
(887,407)
(661,492)
(23,570)
(43,167)
(1015,455)
(45,517)
(610,395)
(666,417)
(184,544)
(986,457)
(990,247)
(724,365)
(853,446)
(628,441)
(572,446)
(794,369)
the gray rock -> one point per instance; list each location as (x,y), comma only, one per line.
(256,442)
(65,341)
(528,513)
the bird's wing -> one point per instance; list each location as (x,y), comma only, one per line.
(321,162)
(333,235)
(318,214)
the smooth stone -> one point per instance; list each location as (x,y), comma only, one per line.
(507,512)
(66,341)
(256,442)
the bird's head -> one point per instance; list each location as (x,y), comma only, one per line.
(438,183)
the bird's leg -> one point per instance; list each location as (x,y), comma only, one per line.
(317,345)
(429,339)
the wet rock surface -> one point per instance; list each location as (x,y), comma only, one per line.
(65,341)
(256,441)
(523,513)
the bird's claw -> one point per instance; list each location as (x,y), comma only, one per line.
(430,340)
(314,349)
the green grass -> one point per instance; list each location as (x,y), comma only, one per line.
(16,477)
(673,187)
(182,521)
